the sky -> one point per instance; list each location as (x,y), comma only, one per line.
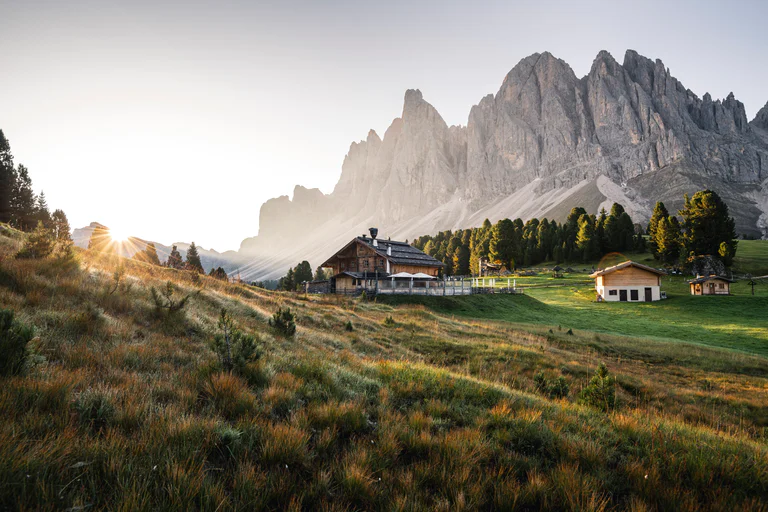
(175,121)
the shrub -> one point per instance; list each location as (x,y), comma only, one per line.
(234,348)
(389,321)
(557,388)
(165,302)
(348,327)
(601,391)
(39,244)
(14,337)
(95,408)
(284,322)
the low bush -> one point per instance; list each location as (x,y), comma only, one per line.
(95,408)
(556,388)
(601,391)
(165,301)
(348,327)
(389,321)
(14,338)
(284,322)
(234,348)
(39,244)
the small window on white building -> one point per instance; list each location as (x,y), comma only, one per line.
(634,295)
(613,292)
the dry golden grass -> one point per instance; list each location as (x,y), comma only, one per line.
(130,411)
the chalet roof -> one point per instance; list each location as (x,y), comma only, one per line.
(627,264)
(364,275)
(704,279)
(402,253)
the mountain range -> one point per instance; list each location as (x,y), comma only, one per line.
(547,141)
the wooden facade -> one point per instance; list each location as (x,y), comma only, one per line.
(628,282)
(364,260)
(710,285)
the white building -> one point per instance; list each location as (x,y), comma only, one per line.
(628,282)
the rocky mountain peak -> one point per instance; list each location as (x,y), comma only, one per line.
(761,119)
(545,142)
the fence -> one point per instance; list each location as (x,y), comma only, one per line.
(428,288)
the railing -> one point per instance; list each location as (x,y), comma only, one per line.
(438,289)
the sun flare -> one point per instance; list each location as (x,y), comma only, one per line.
(118,235)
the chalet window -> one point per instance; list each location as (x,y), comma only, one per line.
(634,295)
(722,286)
(343,265)
(365,263)
(613,292)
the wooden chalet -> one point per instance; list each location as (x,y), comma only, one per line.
(628,282)
(710,285)
(366,261)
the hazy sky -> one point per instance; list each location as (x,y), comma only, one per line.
(176,120)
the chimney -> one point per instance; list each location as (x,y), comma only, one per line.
(375,243)
(374,232)
(389,250)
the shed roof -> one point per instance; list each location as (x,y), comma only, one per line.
(704,279)
(627,264)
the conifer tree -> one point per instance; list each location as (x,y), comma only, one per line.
(150,254)
(501,247)
(61,229)
(659,213)
(7,179)
(320,274)
(668,240)
(303,273)
(193,259)
(42,214)
(174,259)
(586,240)
(708,227)
(23,204)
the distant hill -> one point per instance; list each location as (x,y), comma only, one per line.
(229,260)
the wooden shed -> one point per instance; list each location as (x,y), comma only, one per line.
(628,282)
(710,285)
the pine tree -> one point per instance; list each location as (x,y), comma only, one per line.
(42,214)
(586,239)
(193,259)
(659,213)
(668,240)
(7,179)
(502,245)
(707,225)
(150,254)
(174,259)
(302,273)
(61,229)
(23,204)
(600,231)
(320,274)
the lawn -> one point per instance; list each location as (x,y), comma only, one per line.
(737,322)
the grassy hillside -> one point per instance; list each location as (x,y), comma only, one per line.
(128,408)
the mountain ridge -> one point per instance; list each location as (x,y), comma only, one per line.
(545,142)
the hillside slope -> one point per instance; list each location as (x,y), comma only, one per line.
(129,409)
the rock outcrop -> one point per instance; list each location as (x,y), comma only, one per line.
(546,141)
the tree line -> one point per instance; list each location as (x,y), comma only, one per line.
(296,276)
(705,228)
(514,243)
(20,207)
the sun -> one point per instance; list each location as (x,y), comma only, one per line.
(118,235)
